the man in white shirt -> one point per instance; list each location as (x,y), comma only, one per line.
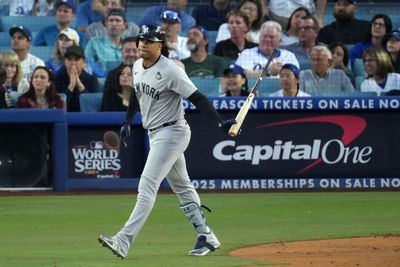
(21,40)
(254,59)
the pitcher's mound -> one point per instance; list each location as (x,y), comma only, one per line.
(361,251)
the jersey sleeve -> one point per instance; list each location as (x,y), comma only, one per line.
(180,82)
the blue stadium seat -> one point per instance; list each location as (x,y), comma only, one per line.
(5,39)
(208,86)
(212,38)
(267,86)
(304,64)
(90,102)
(358,67)
(33,23)
(101,82)
(42,52)
(359,80)
(4,48)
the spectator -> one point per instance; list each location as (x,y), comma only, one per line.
(152,14)
(346,29)
(98,28)
(21,40)
(175,43)
(104,49)
(42,92)
(117,97)
(391,43)
(321,78)
(15,82)
(200,63)
(73,80)
(289,81)
(89,11)
(65,13)
(253,10)
(3,77)
(211,16)
(308,33)
(235,81)
(254,59)
(381,77)
(238,26)
(290,36)
(21,7)
(280,10)
(380,25)
(65,39)
(340,59)
(130,53)
(43,8)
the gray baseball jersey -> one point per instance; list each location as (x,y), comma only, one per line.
(159,90)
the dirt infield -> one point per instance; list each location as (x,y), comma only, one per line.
(360,251)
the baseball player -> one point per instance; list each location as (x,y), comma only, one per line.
(160,84)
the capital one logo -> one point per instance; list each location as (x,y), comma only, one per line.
(318,151)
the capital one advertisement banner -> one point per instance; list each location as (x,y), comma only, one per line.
(94,152)
(297,144)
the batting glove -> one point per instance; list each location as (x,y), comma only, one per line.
(225,125)
(125,132)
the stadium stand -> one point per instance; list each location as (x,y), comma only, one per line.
(358,68)
(90,102)
(42,52)
(33,23)
(359,80)
(212,37)
(208,86)
(267,85)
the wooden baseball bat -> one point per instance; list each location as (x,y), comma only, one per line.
(235,128)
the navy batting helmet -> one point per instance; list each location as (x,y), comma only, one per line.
(151,32)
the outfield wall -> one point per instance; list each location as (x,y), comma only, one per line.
(286,143)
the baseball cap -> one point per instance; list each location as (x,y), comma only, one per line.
(74,50)
(202,29)
(71,34)
(350,1)
(293,68)
(235,69)
(18,28)
(117,12)
(394,35)
(170,16)
(70,3)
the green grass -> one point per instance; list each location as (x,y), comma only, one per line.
(62,230)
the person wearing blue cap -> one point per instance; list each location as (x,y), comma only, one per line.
(346,29)
(152,15)
(235,83)
(289,82)
(200,63)
(391,43)
(175,43)
(65,13)
(21,40)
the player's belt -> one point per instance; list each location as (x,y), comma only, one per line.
(163,125)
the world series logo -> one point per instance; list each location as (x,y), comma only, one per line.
(99,158)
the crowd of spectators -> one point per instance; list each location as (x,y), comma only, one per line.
(225,40)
